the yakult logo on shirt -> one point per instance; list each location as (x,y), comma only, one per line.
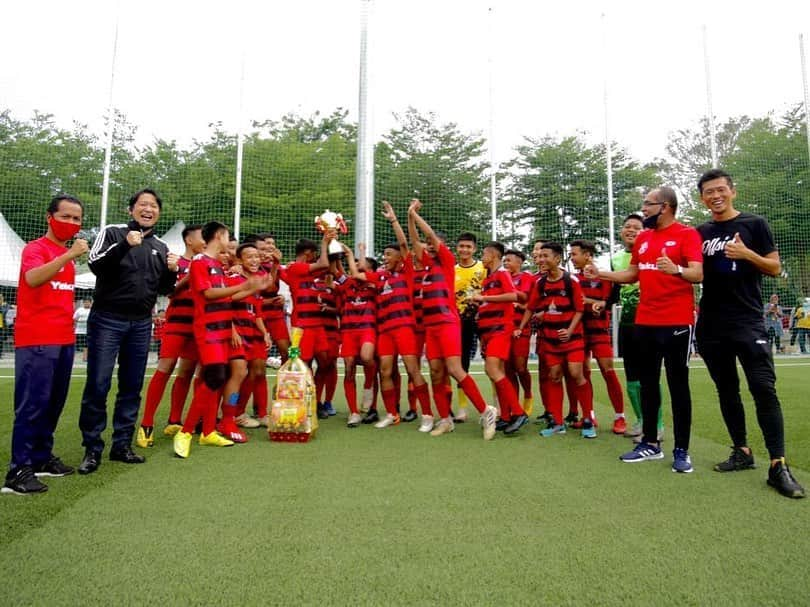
(58,285)
(643,248)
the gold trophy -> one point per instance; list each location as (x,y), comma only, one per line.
(327,220)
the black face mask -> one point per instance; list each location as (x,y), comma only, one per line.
(651,221)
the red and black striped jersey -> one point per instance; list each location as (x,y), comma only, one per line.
(305,295)
(495,317)
(418,277)
(597,328)
(438,284)
(180,311)
(270,310)
(212,317)
(328,297)
(523,283)
(358,304)
(245,311)
(559,300)
(395,306)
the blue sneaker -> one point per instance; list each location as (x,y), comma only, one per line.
(330,410)
(552,430)
(681,462)
(588,431)
(641,453)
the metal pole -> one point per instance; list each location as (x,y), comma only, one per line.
(608,149)
(364,191)
(105,180)
(712,133)
(240,148)
(493,168)
(806,93)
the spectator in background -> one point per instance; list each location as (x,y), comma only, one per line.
(773,322)
(802,326)
(132,266)
(44,342)
(80,327)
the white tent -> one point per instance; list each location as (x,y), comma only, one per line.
(173,239)
(11,247)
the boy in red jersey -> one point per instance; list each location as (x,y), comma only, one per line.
(518,365)
(442,325)
(249,343)
(177,344)
(43,347)
(558,296)
(596,323)
(495,327)
(273,314)
(667,261)
(327,375)
(213,322)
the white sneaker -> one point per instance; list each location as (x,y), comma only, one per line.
(245,421)
(355,419)
(368,398)
(388,420)
(462,415)
(445,426)
(264,421)
(488,419)
(427,423)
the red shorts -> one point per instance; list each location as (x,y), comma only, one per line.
(178,346)
(313,340)
(521,346)
(352,341)
(254,350)
(496,345)
(420,342)
(598,351)
(277,328)
(217,353)
(557,358)
(443,340)
(400,341)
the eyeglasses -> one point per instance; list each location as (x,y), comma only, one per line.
(649,203)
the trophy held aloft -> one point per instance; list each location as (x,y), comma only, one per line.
(327,220)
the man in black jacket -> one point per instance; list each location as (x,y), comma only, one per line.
(132,266)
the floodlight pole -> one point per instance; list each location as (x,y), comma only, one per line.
(105,180)
(493,168)
(709,109)
(364,189)
(806,93)
(240,149)
(608,150)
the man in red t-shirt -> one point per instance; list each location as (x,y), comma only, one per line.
(443,325)
(213,325)
(596,323)
(44,347)
(495,323)
(667,260)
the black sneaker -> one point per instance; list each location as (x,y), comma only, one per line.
(780,478)
(53,467)
(738,460)
(544,419)
(501,424)
(518,421)
(322,412)
(571,418)
(23,482)
(371,417)
(409,416)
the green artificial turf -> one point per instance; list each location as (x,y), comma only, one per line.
(380,517)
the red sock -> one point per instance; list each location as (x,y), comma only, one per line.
(229,413)
(508,399)
(585,397)
(369,375)
(614,389)
(554,391)
(330,384)
(260,394)
(375,389)
(525,380)
(440,398)
(448,389)
(571,391)
(209,415)
(423,395)
(180,388)
(390,401)
(411,397)
(544,396)
(473,393)
(154,394)
(245,392)
(204,405)
(350,390)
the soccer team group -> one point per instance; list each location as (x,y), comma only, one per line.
(226,310)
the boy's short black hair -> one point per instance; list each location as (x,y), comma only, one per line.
(497,246)
(516,253)
(469,236)
(189,229)
(243,246)
(303,245)
(553,246)
(211,229)
(585,245)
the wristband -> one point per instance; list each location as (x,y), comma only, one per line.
(680,271)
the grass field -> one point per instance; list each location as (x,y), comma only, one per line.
(381,517)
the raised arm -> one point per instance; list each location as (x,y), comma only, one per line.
(388,213)
(416,242)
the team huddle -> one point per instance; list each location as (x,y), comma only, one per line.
(226,310)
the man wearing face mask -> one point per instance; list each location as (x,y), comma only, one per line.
(132,266)
(43,347)
(667,260)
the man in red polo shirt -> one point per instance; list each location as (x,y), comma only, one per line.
(667,260)
(43,347)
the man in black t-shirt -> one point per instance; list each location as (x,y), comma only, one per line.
(738,248)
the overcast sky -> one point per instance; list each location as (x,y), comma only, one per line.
(178,63)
